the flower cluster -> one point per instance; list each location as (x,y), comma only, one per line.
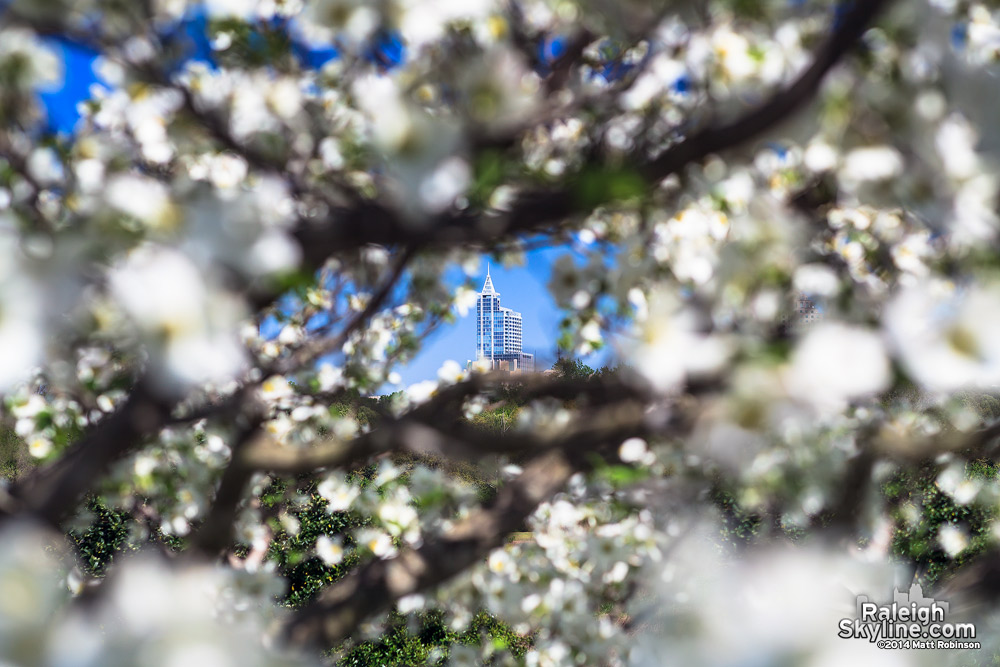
(267,206)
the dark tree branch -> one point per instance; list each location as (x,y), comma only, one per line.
(435,438)
(316,348)
(779,107)
(54,491)
(216,532)
(370,222)
(372,588)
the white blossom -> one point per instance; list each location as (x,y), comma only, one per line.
(338,493)
(329,550)
(835,363)
(945,335)
(952,539)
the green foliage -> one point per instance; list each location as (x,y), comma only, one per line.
(306,574)
(573,369)
(492,169)
(386,403)
(98,544)
(295,281)
(605,372)
(986,406)
(252,45)
(622,476)
(597,185)
(739,527)
(14,457)
(365,415)
(366,410)
(400,645)
(497,420)
(466,471)
(918,542)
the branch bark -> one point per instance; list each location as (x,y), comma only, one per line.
(375,586)
(779,107)
(216,531)
(54,491)
(314,349)
(535,211)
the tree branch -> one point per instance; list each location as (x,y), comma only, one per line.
(369,222)
(216,531)
(311,351)
(372,588)
(779,107)
(52,492)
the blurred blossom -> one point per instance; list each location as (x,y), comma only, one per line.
(451,372)
(499,91)
(421,22)
(244,229)
(39,447)
(348,19)
(338,493)
(32,63)
(954,482)
(787,600)
(835,363)
(871,163)
(956,143)
(657,80)
(230,8)
(816,279)
(160,613)
(419,148)
(330,377)
(668,346)
(329,550)
(45,167)
(30,593)
(190,328)
(946,336)
(21,315)
(465,299)
(142,198)
(633,450)
(421,391)
(377,542)
(952,539)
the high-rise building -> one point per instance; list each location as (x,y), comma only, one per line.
(808,312)
(498,333)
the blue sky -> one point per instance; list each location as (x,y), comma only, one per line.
(521,288)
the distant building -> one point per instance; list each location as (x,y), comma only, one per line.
(498,333)
(809,311)
(806,313)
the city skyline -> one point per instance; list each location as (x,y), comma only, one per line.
(499,332)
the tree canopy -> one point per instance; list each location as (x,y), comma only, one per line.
(780,216)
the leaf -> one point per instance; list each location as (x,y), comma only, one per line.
(595,186)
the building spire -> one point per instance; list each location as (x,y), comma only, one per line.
(488,285)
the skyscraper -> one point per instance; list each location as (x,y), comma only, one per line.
(498,333)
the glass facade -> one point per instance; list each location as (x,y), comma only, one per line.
(498,332)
